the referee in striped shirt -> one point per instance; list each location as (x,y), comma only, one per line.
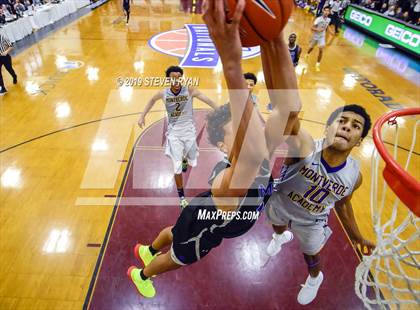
(6,60)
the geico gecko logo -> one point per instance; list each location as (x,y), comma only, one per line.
(193,46)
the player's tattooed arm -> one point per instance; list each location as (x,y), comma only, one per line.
(344,210)
(149,105)
(200,96)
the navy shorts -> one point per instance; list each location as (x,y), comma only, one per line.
(192,238)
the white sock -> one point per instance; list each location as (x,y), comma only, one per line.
(283,234)
(314,281)
(288,235)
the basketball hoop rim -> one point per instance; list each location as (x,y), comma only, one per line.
(404,185)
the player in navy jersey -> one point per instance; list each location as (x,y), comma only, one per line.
(242,182)
(126,8)
(294,49)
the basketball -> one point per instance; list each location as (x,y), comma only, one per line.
(261,20)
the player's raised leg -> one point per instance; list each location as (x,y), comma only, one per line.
(146,253)
(149,255)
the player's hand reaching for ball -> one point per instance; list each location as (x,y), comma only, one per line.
(225,35)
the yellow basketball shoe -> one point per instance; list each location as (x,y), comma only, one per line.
(142,253)
(144,287)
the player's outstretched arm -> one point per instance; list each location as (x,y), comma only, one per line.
(281,82)
(344,210)
(149,105)
(200,96)
(249,147)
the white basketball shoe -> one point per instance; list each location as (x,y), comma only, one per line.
(309,290)
(278,240)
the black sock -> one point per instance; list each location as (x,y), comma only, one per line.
(181,192)
(152,250)
(142,276)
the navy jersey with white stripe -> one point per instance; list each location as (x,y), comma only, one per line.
(294,54)
(215,229)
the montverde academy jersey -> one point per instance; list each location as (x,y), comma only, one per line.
(321,23)
(179,108)
(310,188)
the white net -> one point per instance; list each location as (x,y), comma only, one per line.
(390,277)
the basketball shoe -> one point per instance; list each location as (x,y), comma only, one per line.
(309,290)
(143,254)
(277,241)
(144,287)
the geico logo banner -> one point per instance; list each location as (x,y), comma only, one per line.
(405,36)
(361,18)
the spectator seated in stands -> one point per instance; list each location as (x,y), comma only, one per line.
(370,4)
(20,8)
(7,11)
(383,8)
(309,5)
(343,7)
(2,16)
(398,13)
(390,12)
(405,17)
(407,11)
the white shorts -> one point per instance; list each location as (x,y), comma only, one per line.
(312,237)
(178,148)
(317,41)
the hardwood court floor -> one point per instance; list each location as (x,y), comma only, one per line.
(66,135)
